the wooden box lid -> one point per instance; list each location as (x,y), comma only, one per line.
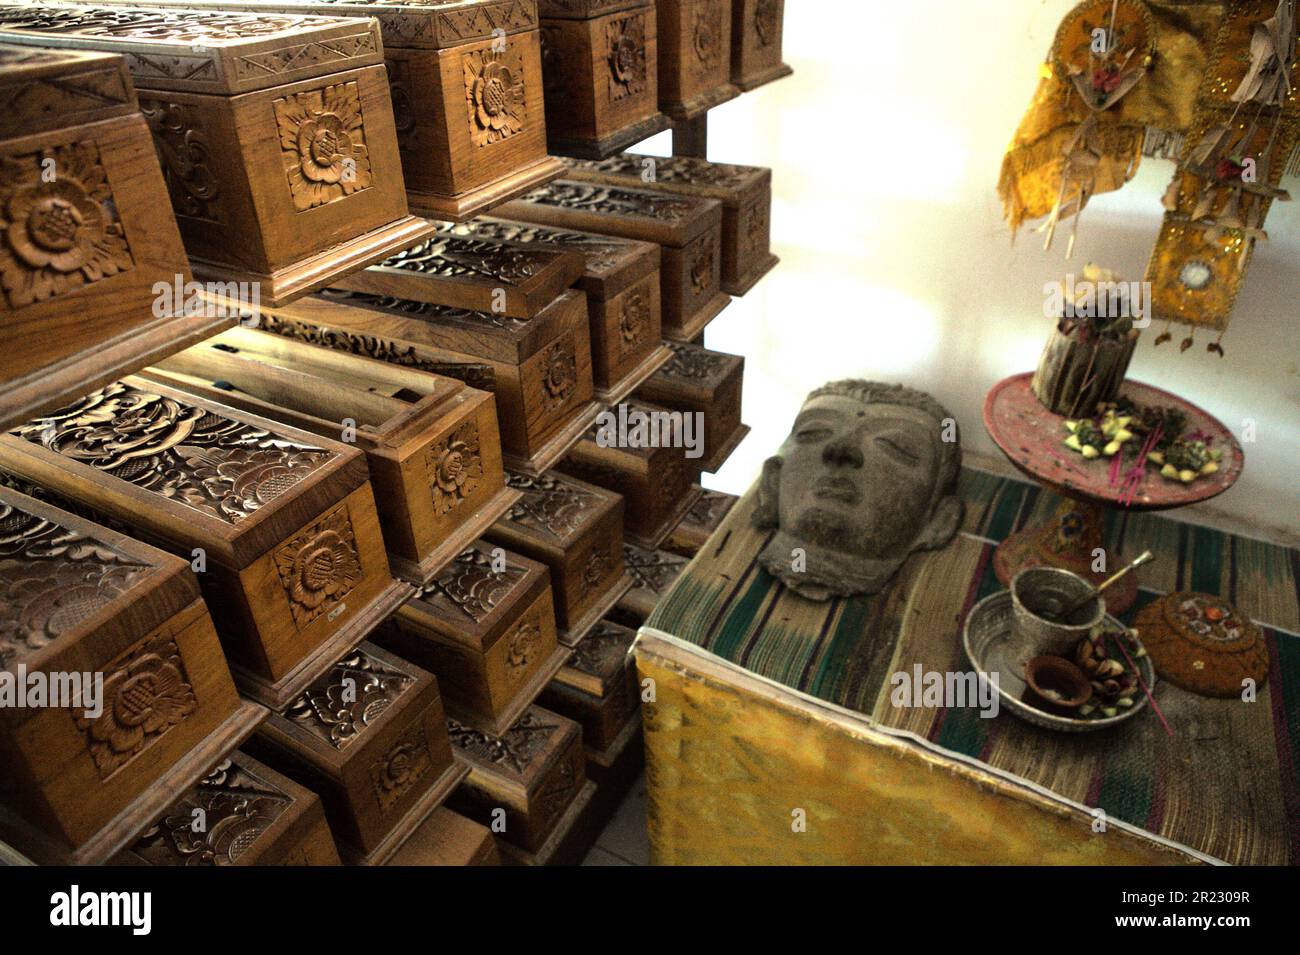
(254,816)
(472,603)
(653,572)
(617,210)
(600,659)
(732,185)
(693,368)
(63,578)
(331,726)
(638,456)
(201,51)
(183,470)
(481,334)
(555,510)
(419,24)
(586,9)
(45,89)
(473,273)
(522,756)
(611,263)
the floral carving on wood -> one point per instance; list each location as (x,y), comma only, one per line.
(185,157)
(611,200)
(472,585)
(352,695)
(319,566)
(559,371)
(494,95)
(237,807)
(146,693)
(451,256)
(602,252)
(51,579)
(455,468)
(627,56)
(514,749)
(596,569)
(603,651)
(400,95)
(221,467)
(706,37)
(702,268)
(652,570)
(767,21)
(521,649)
(323,144)
(693,362)
(633,319)
(548,503)
(404,765)
(59,227)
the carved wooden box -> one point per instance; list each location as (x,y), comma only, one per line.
(598,689)
(370,738)
(431,443)
(744,191)
(486,629)
(251,815)
(575,529)
(472,273)
(447,838)
(653,572)
(465,80)
(621,280)
(534,771)
(85,609)
(280,524)
(698,379)
(655,482)
(756,32)
(700,522)
(85,236)
(694,56)
(276,128)
(539,368)
(600,64)
(687,229)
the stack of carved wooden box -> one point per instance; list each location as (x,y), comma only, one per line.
(328,563)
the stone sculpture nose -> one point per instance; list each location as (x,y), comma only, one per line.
(843,452)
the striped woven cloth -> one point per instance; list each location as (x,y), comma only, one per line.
(1226,784)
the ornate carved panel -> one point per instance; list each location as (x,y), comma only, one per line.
(351,696)
(320,566)
(426,309)
(68,96)
(404,765)
(559,370)
(51,579)
(702,258)
(595,570)
(653,570)
(494,94)
(224,468)
(146,693)
(549,503)
(323,143)
(399,93)
(693,362)
(603,650)
(681,169)
(236,808)
(610,200)
(602,252)
(471,585)
(515,749)
(449,256)
(191,27)
(626,56)
(522,645)
(706,35)
(475,375)
(633,319)
(455,467)
(59,228)
(185,154)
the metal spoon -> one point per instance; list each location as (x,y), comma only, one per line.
(1087,598)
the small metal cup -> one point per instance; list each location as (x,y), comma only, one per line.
(1034,589)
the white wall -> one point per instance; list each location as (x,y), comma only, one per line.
(896,263)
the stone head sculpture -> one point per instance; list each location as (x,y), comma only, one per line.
(867,475)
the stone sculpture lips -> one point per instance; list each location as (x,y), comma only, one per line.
(837,489)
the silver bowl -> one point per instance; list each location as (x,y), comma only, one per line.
(989,646)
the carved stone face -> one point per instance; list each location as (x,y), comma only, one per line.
(862,481)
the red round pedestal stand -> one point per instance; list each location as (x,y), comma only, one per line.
(1032,439)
